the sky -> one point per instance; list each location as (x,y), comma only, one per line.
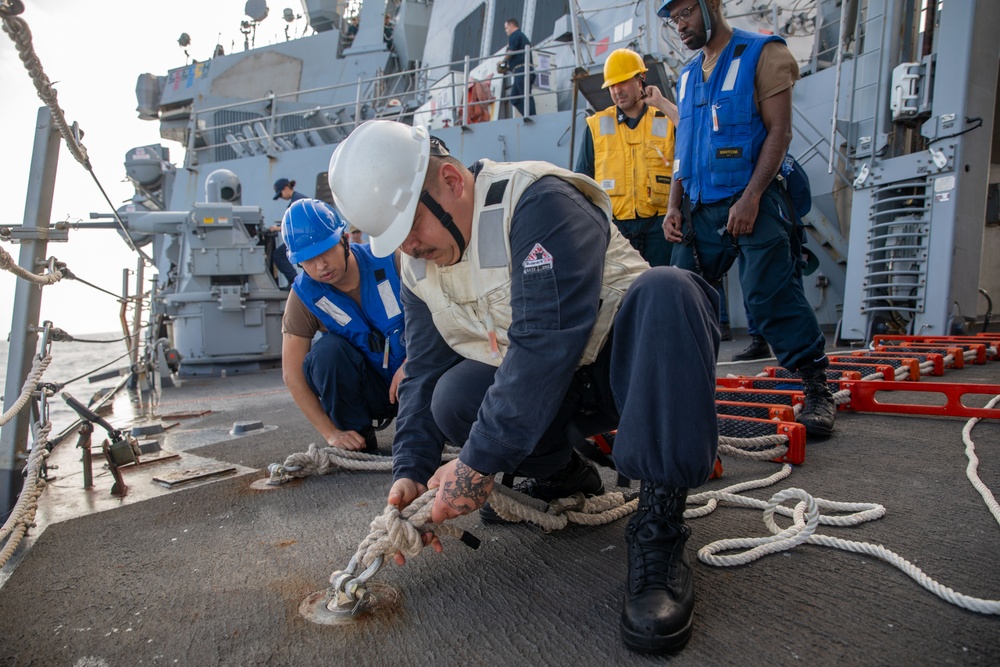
(93,53)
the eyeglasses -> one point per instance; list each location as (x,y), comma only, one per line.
(683,15)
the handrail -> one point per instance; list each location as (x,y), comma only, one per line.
(205,136)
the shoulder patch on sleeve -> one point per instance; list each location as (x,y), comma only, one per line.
(539,259)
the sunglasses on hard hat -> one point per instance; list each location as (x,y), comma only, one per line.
(438,148)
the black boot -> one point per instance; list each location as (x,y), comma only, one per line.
(659,592)
(819,409)
(579,476)
(725,333)
(757,349)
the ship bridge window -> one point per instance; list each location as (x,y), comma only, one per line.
(468,37)
(546,14)
(503,10)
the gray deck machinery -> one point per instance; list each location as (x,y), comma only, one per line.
(213,298)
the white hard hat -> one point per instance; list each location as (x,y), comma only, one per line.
(376,176)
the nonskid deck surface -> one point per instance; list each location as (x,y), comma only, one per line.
(213,573)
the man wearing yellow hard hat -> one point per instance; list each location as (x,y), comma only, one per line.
(628,149)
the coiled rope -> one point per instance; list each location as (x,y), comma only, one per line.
(22,517)
(806,518)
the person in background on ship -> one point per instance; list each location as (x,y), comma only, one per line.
(735,104)
(283,189)
(517,42)
(629,149)
(357,236)
(387,28)
(348,378)
(513,278)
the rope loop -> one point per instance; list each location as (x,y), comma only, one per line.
(22,517)
(8,264)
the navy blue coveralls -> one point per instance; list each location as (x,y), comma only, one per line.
(518,41)
(279,256)
(654,379)
(344,368)
(719,138)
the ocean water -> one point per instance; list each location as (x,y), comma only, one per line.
(74,359)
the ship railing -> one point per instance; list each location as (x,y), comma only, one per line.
(459,93)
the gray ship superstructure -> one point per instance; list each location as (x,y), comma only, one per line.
(900,176)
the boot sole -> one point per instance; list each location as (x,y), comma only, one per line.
(656,644)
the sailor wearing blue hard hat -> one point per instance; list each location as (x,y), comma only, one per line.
(347,379)
(673,12)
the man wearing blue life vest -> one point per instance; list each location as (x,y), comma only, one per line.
(735,104)
(532,322)
(628,149)
(348,378)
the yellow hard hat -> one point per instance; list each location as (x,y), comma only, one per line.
(622,65)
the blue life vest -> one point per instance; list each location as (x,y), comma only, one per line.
(375,328)
(717,153)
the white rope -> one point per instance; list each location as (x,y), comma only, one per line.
(22,517)
(971,470)
(34,375)
(324,460)
(806,517)
(514,506)
(745,447)
(8,264)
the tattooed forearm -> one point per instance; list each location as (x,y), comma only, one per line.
(468,491)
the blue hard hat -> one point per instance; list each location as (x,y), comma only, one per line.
(309,228)
(663,12)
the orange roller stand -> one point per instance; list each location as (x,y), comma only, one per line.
(745,427)
(937,360)
(988,339)
(864,399)
(978,348)
(887,371)
(911,365)
(742,394)
(779,372)
(755,410)
(956,353)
